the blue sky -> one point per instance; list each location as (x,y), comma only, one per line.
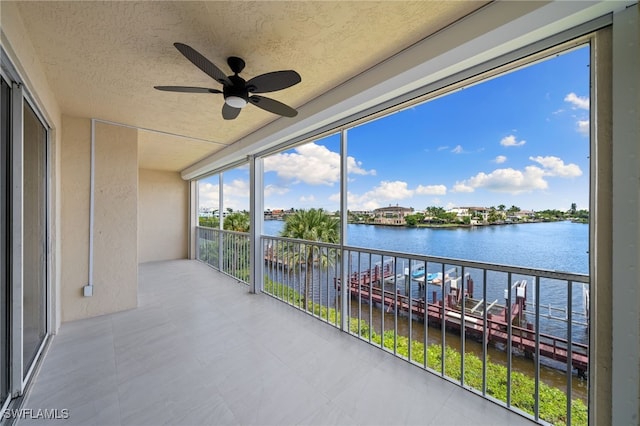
(518,139)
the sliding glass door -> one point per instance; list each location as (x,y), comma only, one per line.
(35,236)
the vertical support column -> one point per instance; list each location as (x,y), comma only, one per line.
(600,230)
(17,238)
(344,275)
(220,222)
(625,388)
(256,208)
(193,219)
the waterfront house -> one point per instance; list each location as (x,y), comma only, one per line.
(363,215)
(525,215)
(460,212)
(481,213)
(392,215)
(477,215)
(275,214)
(109,310)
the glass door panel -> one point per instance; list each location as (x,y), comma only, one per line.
(5,103)
(35,236)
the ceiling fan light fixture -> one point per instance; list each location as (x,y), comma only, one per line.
(235,101)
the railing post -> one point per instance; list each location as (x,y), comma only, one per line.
(220,222)
(509,340)
(345,285)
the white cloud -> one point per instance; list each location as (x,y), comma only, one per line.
(457,150)
(237,187)
(383,194)
(583,127)
(236,195)
(442,148)
(308,199)
(391,190)
(312,164)
(208,195)
(554,166)
(505,180)
(387,192)
(500,159)
(274,190)
(431,190)
(578,102)
(357,202)
(511,141)
(461,187)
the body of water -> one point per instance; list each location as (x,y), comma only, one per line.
(557,246)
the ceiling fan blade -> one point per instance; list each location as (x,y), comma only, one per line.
(273,106)
(203,63)
(187,89)
(229,112)
(272,81)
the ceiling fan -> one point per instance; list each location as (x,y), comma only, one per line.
(236,91)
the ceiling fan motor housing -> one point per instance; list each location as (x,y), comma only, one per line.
(236,64)
(238,88)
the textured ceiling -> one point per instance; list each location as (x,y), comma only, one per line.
(102,59)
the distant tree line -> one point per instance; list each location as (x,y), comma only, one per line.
(439,216)
(433,215)
(233,221)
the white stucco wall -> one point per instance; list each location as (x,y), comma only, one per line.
(116,218)
(163,215)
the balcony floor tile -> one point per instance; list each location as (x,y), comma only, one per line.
(201,350)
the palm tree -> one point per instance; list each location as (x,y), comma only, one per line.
(493,215)
(236,247)
(238,221)
(311,225)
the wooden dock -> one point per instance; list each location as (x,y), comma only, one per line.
(363,286)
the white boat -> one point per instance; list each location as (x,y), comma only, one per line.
(434,278)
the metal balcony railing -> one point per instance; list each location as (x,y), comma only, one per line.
(226,251)
(517,336)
